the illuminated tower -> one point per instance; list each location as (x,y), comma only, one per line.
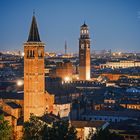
(33,74)
(84,53)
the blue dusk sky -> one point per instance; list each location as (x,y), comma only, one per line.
(113,24)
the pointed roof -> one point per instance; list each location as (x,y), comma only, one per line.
(84,25)
(34,34)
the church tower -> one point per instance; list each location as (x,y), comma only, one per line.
(84,53)
(34,86)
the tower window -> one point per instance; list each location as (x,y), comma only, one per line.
(40,54)
(85,31)
(28,53)
(31,53)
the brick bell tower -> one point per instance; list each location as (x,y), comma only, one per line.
(34,86)
(84,53)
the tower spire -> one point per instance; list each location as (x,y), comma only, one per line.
(84,25)
(33,12)
(65,47)
(34,86)
(34,34)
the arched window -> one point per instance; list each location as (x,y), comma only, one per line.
(85,31)
(40,54)
(28,53)
(33,53)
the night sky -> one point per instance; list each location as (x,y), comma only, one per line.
(113,24)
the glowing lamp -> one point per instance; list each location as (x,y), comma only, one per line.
(66,79)
(22,54)
(19,83)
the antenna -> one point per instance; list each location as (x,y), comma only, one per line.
(65,47)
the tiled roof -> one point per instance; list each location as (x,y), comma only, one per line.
(11,95)
(13,105)
(4,113)
(125,113)
(82,124)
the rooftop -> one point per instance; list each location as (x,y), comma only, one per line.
(34,34)
(124,113)
(4,113)
(82,124)
(84,25)
(13,105)
(11,95)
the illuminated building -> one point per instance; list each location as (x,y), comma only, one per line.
(83,128)
(34,86)
(36,100)
(121,64)
(115,77)
(64,70)
(12,111)
(84,53)
(111,116)
(131,105)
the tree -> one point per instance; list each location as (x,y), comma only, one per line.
(104,134)
(72,134)
(33,129)
(36,129)
(5,129)
(61,130)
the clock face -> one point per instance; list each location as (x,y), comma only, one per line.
(82,46)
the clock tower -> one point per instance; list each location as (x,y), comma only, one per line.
(34,94)
(84,53)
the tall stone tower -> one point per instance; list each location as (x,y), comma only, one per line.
(34,86)
(84,53)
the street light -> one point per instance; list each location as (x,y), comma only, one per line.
(22,54)
(19,83)
(66,79)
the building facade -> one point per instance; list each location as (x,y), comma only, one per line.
(64,70)
(84,53)
(110,116)
(34,86)
(84,128)
(120,64)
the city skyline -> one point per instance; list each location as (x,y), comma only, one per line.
(48,93)
(113,24)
